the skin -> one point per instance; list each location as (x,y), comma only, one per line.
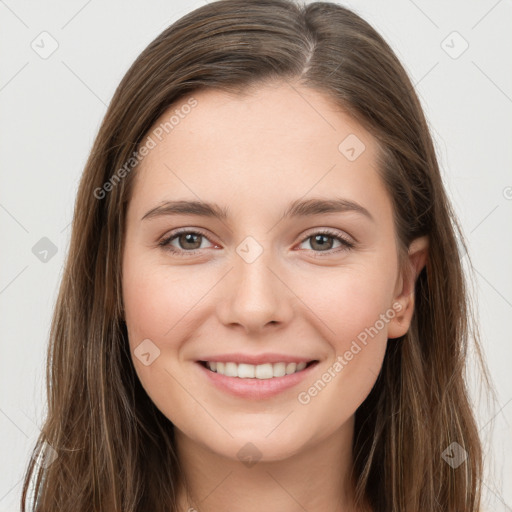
(254,154)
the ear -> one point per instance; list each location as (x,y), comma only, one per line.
(403,303)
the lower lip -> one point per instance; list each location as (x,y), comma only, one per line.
(257,389)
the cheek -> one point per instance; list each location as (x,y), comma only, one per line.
(355,312)
(157,301)
(349,303)
(156,304)
(161,306)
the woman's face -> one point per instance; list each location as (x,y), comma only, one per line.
(260,233)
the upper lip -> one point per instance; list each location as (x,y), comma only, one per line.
(256,359)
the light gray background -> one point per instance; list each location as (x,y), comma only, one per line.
(51,110)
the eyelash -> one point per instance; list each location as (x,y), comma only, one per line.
(346,244)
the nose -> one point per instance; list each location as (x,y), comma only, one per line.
(256,296)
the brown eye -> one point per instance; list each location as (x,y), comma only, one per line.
(321,242)
(325,242)
(185,242)
(189,240)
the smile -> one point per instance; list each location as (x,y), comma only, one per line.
(256,381)
(251,371)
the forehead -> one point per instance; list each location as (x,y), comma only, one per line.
(272,143)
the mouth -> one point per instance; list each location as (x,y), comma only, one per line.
(256,381)
(261,371)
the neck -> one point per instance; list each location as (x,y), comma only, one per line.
(315,479)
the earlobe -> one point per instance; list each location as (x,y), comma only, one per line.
(417,259)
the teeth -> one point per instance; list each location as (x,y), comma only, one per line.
(290,368)
(263,371)
(279,369)
(260,371)
(246,371)
(231,370)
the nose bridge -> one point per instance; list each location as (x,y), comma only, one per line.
(256,297)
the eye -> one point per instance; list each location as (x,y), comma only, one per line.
(323,241)
(189,242)
(184,241)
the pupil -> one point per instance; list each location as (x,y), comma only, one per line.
(321,241)
(190,238)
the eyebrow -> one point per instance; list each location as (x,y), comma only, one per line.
(298,208)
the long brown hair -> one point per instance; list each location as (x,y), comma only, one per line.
(115,449)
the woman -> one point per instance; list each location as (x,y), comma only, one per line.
(263,306)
